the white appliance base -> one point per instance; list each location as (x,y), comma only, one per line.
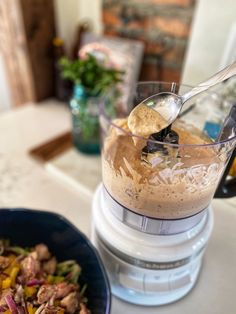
(148,270)
(155,299)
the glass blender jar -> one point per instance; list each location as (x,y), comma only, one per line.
(152,214)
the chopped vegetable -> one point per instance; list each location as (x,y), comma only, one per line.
(30,291)
(13,274)
(6,283)
(32,281)
(11,304)
(18,250)
(70,269)
(31,309)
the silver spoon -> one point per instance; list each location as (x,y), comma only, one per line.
(169,104)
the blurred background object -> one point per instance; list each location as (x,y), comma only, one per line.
(84,27)
(121,53)
(27,30)
(163,26)
(179,37)
(39,31)
(36,33)
(94,77)
(16,69)
(62,87)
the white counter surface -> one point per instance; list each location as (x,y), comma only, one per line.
(25,183)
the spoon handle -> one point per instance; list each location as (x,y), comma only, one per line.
(220,76)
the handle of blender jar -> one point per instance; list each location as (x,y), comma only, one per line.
(227,188)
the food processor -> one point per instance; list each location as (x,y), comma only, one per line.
(152,215)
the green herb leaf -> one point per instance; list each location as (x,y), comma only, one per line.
(92,75)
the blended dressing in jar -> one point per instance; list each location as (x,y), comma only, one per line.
(177,181)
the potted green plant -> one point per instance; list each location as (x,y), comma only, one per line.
(91,80)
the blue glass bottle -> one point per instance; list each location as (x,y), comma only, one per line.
(85,121)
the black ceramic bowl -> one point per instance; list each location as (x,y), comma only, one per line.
(29,227)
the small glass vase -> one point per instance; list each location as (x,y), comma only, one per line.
(85,121)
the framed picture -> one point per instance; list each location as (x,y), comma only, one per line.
(124,54)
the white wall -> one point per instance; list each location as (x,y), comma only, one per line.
(5,93)
(69,13)
(210,30)
(66,16)
(92,10)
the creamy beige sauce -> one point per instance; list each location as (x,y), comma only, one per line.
(174,185)
(144,121)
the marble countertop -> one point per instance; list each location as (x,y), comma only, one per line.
(26,183)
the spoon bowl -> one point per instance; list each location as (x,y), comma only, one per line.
(169,105)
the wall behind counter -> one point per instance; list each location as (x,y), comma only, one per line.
(210,30)
(70,13)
